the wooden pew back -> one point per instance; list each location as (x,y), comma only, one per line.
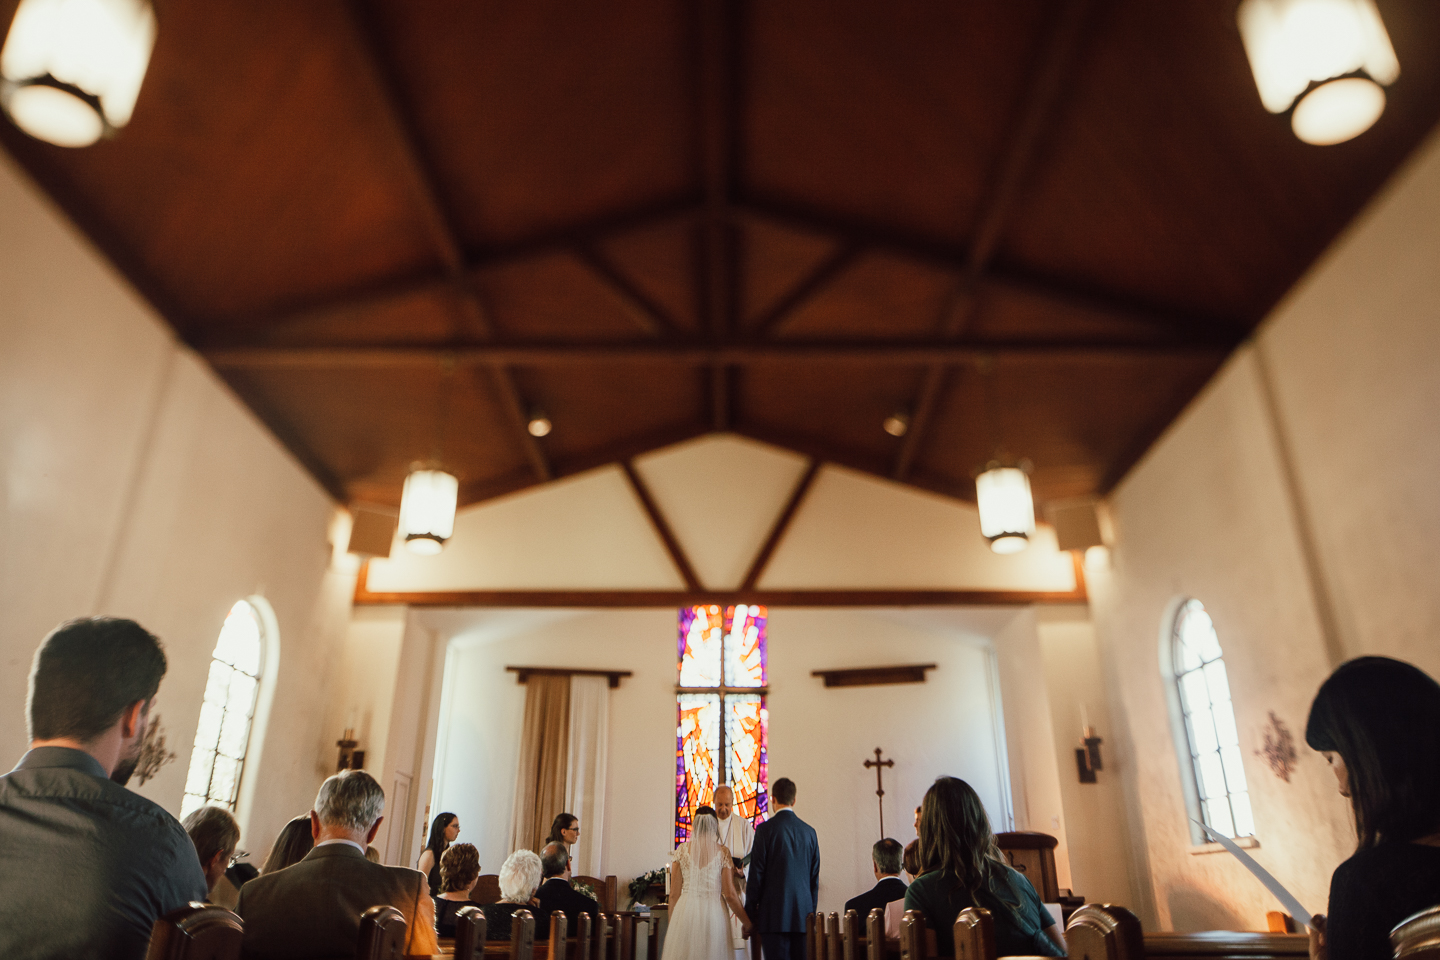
(606,891)
(469,933)
(522,935)
(382,934)
(487,889)
(1104,932)
(1226,945)
(196,932)
(974,934)
(1033,854)
(1417,937)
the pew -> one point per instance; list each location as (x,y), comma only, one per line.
(582,937)
(522,935)
(1032,854)
(196,932)
(605,890)
(558,924)
(601,947)
(875,935)
(469,933)
(1099,931)
(487,889)
(382,934)
(974,934)
(833,938)
(1226,945)
(1417,937)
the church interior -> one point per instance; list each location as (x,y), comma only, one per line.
(452,357)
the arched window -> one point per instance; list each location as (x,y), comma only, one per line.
(1209,717)
(223,734)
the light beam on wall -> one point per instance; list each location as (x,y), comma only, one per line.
(1007,511)
(427,510)
(1325,61)
(70,70)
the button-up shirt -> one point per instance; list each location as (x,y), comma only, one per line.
(86,866)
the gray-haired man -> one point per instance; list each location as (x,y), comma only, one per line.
(313,908)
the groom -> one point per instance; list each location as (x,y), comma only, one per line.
(784,880)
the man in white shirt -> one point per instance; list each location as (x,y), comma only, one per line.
(736,834)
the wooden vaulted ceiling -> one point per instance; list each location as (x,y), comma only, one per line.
(395,228)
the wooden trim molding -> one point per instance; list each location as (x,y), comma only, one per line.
(874,676)
(525,673)
(684,598)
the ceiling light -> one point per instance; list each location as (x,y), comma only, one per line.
(1007,512)
(539,425)
(1324,60)
(427,510)
(70,70)
(897,424)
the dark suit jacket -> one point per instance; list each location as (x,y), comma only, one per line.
(784,882)
(888,889)
(557,894)
(312,908)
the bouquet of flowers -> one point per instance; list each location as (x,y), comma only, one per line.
(641,884)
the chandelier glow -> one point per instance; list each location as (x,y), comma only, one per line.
(1329,60)
(70,70)
(427,510)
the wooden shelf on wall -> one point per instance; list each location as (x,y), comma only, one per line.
(525,673)
(874,676)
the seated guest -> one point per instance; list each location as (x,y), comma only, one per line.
(312,908)
(1377,722)
(86,866)
(556,893)
(911,860)
(519,876)
(215,833)
(885,859)
(459,872)
(962,867)
(295,840)
(372,853)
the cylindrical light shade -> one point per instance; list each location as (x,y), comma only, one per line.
(1007,512)
(427,510)
(70,70)
(1332,56)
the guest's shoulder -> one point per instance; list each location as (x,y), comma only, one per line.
(1375,863)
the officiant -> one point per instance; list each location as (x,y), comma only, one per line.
(736,834)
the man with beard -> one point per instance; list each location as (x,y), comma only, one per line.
(86,866)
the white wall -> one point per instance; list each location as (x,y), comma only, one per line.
(818,737)
(1352,359)
(135,484)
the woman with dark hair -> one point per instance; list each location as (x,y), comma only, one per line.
(443,831)
(565,829)
(1377,722)
(291,846)
(961,867)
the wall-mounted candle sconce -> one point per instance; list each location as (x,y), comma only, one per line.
(350,758)
(1087,757)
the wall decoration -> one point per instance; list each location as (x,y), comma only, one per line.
(1279,749)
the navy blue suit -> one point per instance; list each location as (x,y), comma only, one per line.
(784,884)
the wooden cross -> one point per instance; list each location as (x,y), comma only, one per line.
(877,763)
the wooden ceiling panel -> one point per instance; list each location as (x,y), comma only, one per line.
(877,296)
(883,113)
(255,173)
(1015,313)
(409,317)
(839,409)
(662,262)
(776,263)
(542,114)
(554,296)
(1168,180)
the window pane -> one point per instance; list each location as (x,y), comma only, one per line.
(1244,822)
(242,695)
(222,784)
(746,720)
(1217,817)
(217,686)
(697,744)
(1225,730)
(207,733)
(197,781)
(1189,658)
(1212,776)
(1234,771)
(233,735)
(239,643)
(745,647)
(1216,681)
(1192,692)
(1202,733)
(702,633)
(190,804)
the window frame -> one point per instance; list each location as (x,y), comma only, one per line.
(263,621)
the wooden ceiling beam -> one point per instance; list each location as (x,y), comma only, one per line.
(662,528)
(439,224)
(718,103)
(781,525)
(544,353)
(809,286)
(1017,157)
(647,314)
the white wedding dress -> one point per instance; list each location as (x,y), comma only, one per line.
(700,922)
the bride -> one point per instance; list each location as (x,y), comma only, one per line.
(702,886)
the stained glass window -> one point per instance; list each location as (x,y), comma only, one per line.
(1210,723)
(223,734)
(720,707)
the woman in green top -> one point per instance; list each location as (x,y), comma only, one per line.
(961,867)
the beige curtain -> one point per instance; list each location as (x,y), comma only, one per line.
(585,779)
(544,750)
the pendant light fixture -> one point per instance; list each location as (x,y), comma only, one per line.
(1327,62)
(427,503)
(1002,489)
(1007,511)
(70,70)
